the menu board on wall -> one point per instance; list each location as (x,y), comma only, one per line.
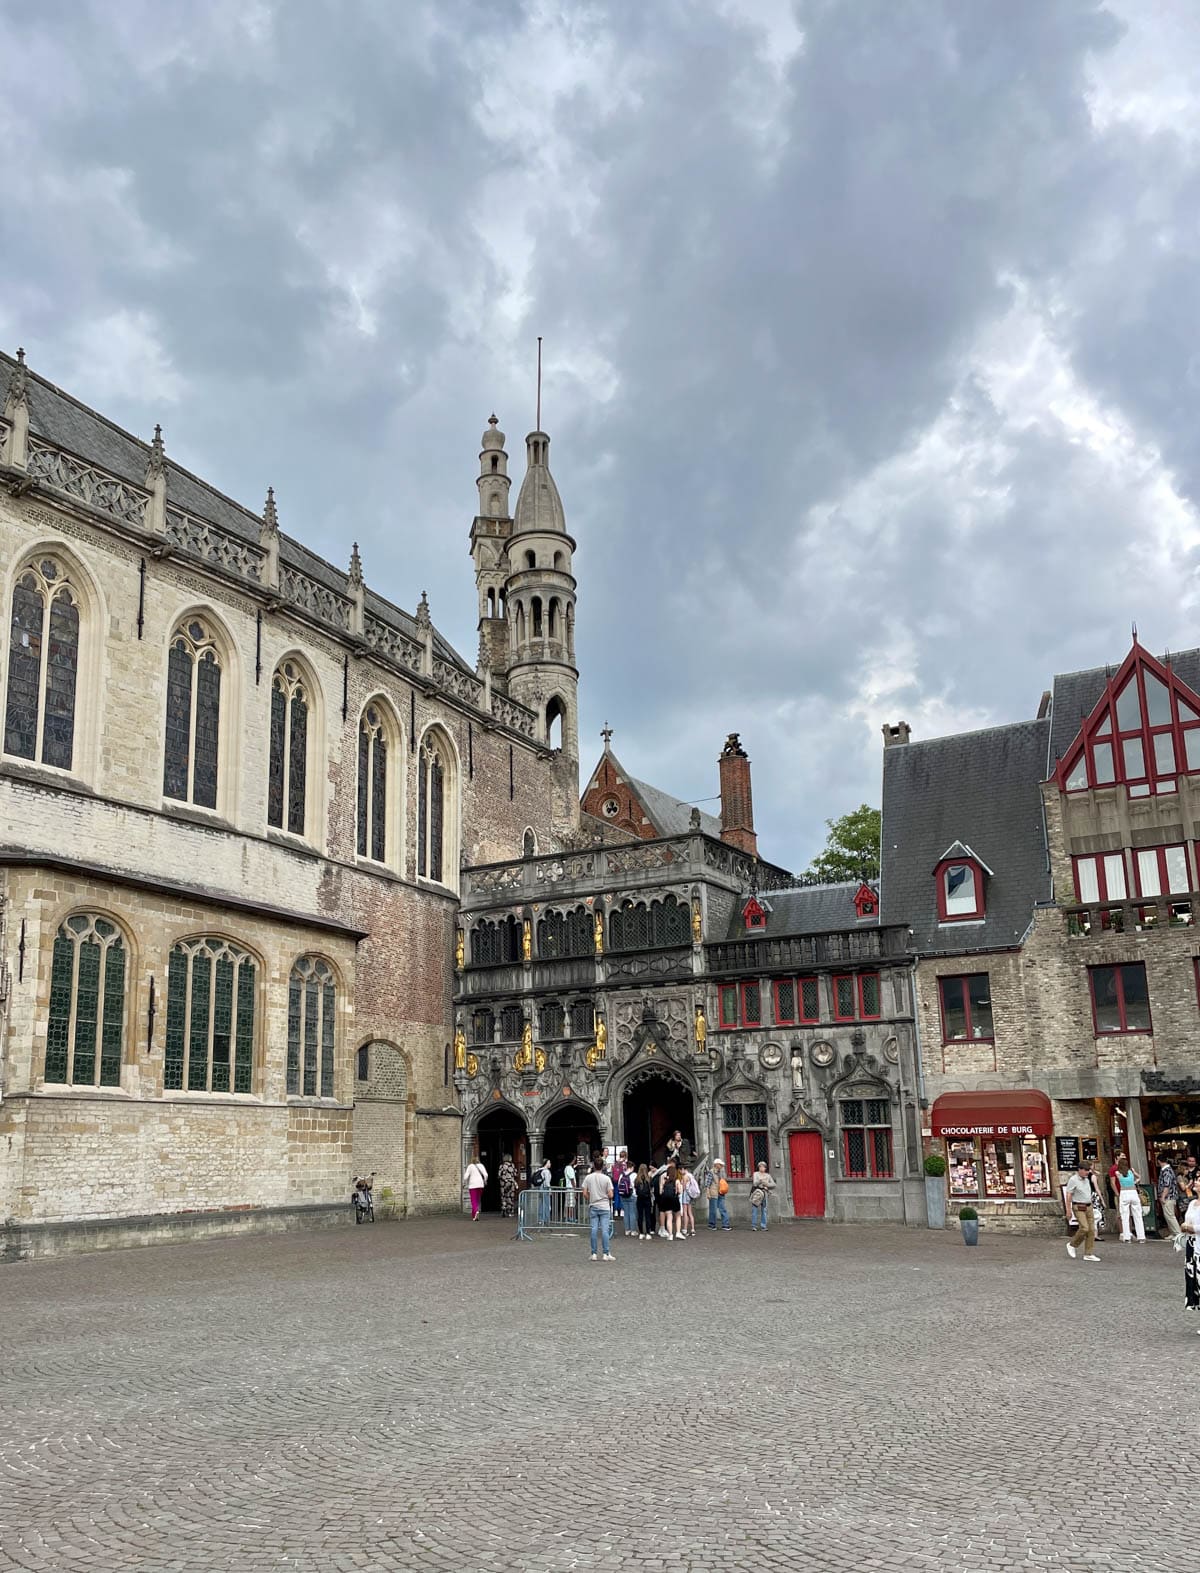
(1090,1149)
(1066,1152)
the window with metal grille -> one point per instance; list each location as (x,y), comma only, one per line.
(747,1144)
(483,1026)
(87,1004)
(636,926)
(312,1020)
(583,1019)
(210,1018)
(727,1005)
(496,942)
(562,934)
(796,1000)
(372,785)
(43,666)
(751,1005)
(191,753)
(552,1020)
(866,1138)
(512,1023)
(288,763)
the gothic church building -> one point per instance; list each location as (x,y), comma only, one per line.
(239,785)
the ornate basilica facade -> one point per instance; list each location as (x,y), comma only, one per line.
(239,786)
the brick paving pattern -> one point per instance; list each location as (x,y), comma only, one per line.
(426,1395)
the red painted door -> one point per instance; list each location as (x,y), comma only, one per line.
(808,1173)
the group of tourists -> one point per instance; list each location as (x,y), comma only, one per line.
(1175,1190)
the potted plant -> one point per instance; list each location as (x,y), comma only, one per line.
(935,1190)
(969,1218)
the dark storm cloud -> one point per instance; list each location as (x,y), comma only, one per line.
(870,367)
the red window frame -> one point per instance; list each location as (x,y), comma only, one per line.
(859,1010)
(750,1146)
(872,1170)
(845,977)
(1098,858)
(1118,967)
(799,1019)
(1164,887)
(965,979)
(780,1019)
(1103,729)
(741,1017)
(746,1019)
(944,913)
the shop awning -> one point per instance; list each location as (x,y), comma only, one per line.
(1024,1113)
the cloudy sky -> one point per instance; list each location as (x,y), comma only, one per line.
(871,326)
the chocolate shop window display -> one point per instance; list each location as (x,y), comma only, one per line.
(996,1145)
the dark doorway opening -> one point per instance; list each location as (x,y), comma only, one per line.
(498,1133)
(571,1132)
(656,1105)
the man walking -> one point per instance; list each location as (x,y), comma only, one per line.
(1168,1197)
(598,1189)
(716,1191)
(1081,1194)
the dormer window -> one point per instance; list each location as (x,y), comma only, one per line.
(866,901)
(1144,733)
(960,876)
(754,915)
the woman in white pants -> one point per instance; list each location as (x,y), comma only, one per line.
(1130,1199)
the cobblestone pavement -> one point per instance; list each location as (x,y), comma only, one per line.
(435,1395)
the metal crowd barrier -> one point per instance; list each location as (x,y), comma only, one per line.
(550,1211)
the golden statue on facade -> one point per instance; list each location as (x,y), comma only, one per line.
(697,924)
(598,933)
(601,1037)
(701,1030)
(472,1066)
(460,950)
(539,1060)
(523,1058)
(527,941)
(460,1048)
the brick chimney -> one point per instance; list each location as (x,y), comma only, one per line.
(897,734)
(737,804)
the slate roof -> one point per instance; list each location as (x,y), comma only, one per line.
(66,423)
(1075,694)
(808,909)
(982,788)
(669,816)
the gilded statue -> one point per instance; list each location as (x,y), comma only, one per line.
(701,1030)
(523,1058)
(598,932)
(697,927)
(472,1066)
(591,1058)
(460,950)
(539,1060)
(527,941)
(601,1038)
(460,1048)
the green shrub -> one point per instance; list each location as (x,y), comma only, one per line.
(935,1165)
(966,1214)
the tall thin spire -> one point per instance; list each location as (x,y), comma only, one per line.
(538,422)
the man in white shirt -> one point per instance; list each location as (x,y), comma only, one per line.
(569,1183)
(1080,1195)
(598,1189)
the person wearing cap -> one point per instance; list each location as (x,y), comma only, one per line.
(1081,1194)
(716,1191)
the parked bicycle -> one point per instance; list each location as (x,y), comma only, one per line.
(362,1199)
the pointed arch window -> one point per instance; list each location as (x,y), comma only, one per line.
(634,926)
(87,1004)
(190,762)
(312,1018)
(563,934)
(1144,733)
(43,666)
(431,811)
(210,1017)
(287,778)
(372,785)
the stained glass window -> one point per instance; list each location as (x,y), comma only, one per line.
(210,1017)
(431,811)
(193,723)
(43,666)
(288,767)
(85,1031)
(312,1025)
(372,785)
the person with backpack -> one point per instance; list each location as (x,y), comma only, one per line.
(668,1202)
(627,1194)
(760,1189)
(643,1197)
(717,1190)
(620,1164)
(689,1191)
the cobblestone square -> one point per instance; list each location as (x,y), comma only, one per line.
(435,1395)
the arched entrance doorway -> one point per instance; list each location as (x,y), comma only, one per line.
(572,1131)
(498,1132)
(654,1104)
